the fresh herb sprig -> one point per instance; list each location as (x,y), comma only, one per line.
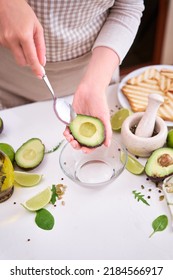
(140,197)
(54,194)
(55,148)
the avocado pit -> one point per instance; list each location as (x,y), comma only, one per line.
(165,160)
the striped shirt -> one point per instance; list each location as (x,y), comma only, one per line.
(74,27)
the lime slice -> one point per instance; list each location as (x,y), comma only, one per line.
(118,118)
(132,165)
(26,179)
(38,201)
(169,140)
(8,150)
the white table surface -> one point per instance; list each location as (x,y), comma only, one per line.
(102,223)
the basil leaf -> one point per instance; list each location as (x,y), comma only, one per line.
(44,219)
(159,224)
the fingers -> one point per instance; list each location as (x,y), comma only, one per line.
(40,45)
(30,53)
(74,143)
(108,137)
(19,55)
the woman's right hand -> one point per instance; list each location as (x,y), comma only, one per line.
(22,33)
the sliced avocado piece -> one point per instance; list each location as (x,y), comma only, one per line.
(1,125)
(160,164)
(30,154)
(88,131)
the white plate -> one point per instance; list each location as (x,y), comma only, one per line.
(121,97)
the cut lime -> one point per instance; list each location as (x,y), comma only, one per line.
(132,165)
(38,201)
(8,150)
(26,179)
(118,118)
(169,140)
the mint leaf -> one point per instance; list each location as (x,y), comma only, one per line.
(54,194)
(140,197)
(44,219)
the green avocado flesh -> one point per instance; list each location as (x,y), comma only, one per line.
(88,131)
(160,164)
(30,154)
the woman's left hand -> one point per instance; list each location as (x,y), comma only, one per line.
(93,104)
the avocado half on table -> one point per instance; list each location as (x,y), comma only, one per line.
(88,131)
(160,164)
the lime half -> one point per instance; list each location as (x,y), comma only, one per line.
(38,201)
(119,117)
(169,140)
(132,165)
(26,179)
(8,150)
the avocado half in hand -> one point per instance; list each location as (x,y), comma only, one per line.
(160,164)
(88,131)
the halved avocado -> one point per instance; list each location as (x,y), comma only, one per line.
(160,164)
(88,131)
(30,154)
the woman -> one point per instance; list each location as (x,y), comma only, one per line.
(83,43)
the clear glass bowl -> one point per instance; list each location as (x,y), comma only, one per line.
(100,167)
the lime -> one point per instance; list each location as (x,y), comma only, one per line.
(8,150)
(132,165)
(26,179)
(169,140)
(38,201)
(118,118)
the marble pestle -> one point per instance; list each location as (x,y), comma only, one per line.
(146,125)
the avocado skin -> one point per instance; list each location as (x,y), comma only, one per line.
(1,125)
(18,163)
(153,170)
(87,118)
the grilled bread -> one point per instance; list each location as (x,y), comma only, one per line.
(151,81)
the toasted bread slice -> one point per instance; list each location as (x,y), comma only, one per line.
(151,81)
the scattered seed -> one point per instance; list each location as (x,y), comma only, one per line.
(161,197)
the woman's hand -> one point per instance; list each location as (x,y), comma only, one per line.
(94,104)
(22,33)
(90,98)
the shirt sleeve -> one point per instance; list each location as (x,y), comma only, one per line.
(120,28)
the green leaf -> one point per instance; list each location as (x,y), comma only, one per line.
(54,194)
(44,219)
(140,197)
(55,148)
(159,224)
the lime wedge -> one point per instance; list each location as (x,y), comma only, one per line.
(118,118)
(132,165)
(169,140)
(8,150)
(26,179)
(38,201)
